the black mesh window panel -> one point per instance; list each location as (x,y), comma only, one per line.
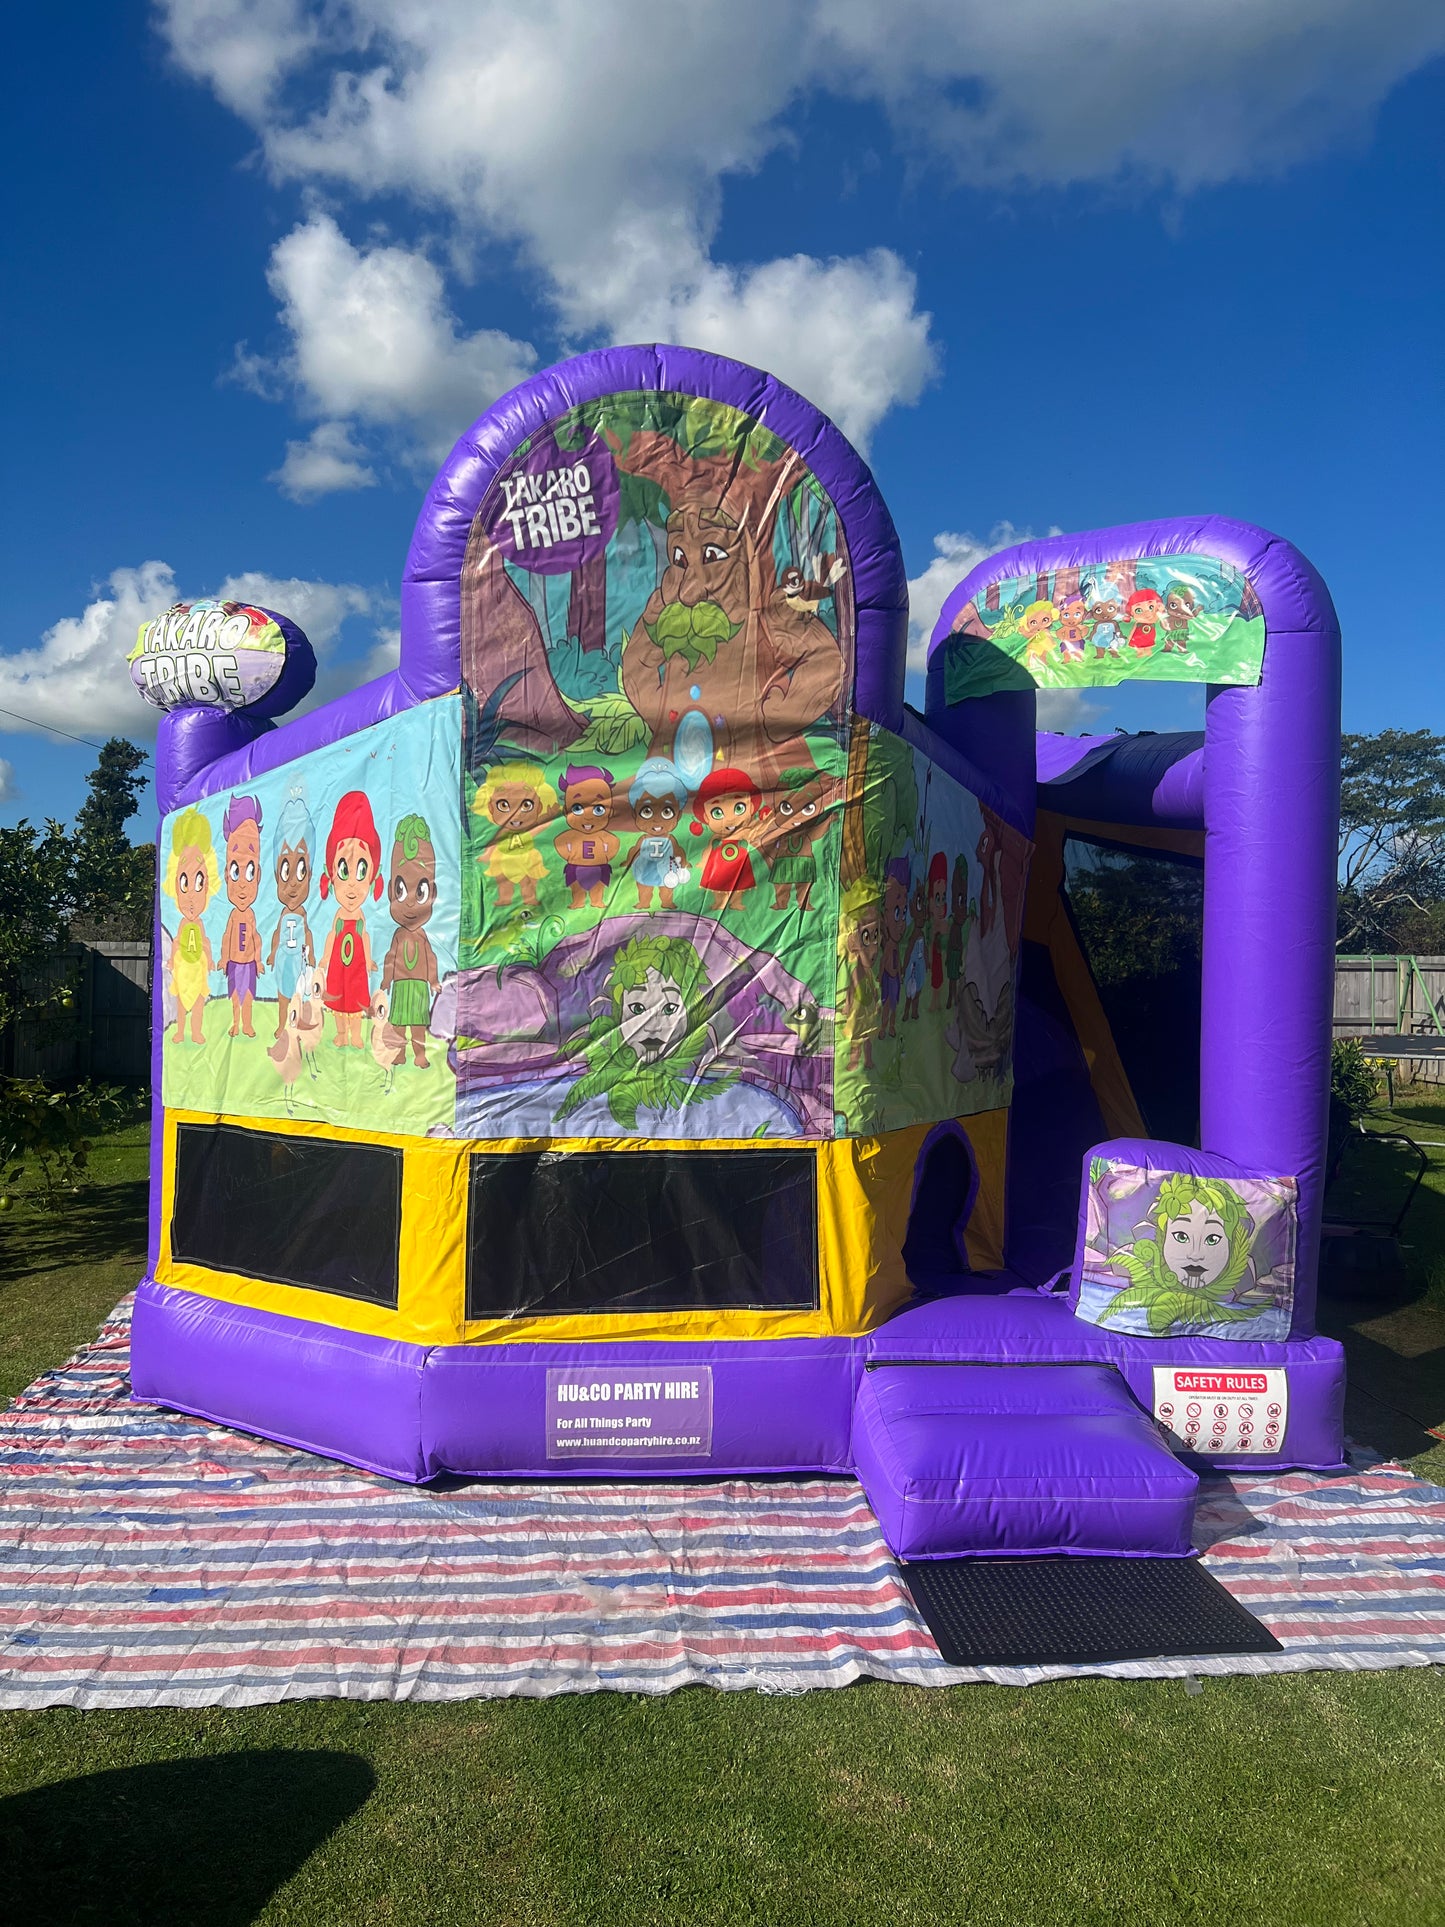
(1140,919)
(617,1231)
(293,1210)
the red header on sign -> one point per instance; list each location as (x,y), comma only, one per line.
(1220,1382)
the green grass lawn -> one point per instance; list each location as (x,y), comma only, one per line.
(1306,1801)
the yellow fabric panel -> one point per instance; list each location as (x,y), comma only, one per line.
(864,1191)
(987,1132)
(430,1272)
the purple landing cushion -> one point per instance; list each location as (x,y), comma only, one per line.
(963,1461)
(1305,1376)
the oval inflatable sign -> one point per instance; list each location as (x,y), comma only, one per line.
(212,655)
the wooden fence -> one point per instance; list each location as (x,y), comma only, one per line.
(1376,996)
(107,1032)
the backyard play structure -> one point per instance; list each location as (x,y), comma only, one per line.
(627,1040)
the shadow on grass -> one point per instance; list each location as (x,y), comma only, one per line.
(173,1841)
(84,1227)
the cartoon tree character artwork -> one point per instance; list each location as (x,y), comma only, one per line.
(860,948)
(1179,610)
(726,661)
(725,808)
(645,1048)
(957,930)
(915,962)
(192,877)
(895,936)
(657,861)
(937,925)
(409,968)
(799,817)
(1143,610)
(291,949)
(352,874)
(585,843)
(517,798)
(1193,1270)
(241,939)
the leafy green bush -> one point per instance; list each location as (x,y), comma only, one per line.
(1354,1084)
(50,1129)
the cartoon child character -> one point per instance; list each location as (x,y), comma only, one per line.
(352,874)
(1179,610)
(725,808)
(516,797)
(647,1046)
(291,949)
(409,968)
(957,930)
(1036,627)
(1073,629)
(937,924)
(192,877)
(799,818)
(1143,610)
(915,961)
(585,844)
(895,932)
(241,940)
(657,860)
(1105,615)
(1194,1271)
(860,945)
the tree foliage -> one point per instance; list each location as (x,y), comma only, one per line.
(1392,841)
(55,884)
(113,883)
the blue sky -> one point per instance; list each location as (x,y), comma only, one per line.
(1058,265)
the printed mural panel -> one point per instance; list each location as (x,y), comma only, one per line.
(932,910)
(1170,1254)
(1163,618)
(309,935)
(657,653)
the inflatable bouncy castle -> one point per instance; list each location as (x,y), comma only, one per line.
(626,1039)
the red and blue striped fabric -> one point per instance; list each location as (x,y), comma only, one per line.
(148,1560)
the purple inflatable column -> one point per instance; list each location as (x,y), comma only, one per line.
(1272,788)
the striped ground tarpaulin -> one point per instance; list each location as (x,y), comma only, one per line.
(147,1560)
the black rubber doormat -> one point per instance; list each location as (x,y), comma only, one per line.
(1079,1612)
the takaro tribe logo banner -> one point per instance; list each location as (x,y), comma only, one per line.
(219,655)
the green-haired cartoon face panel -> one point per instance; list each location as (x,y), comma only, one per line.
(1171,1253)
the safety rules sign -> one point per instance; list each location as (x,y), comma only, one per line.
(1225,1412)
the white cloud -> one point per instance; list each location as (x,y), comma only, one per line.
(9,788)
(75,678)
(373,339)
(1053,91)
(327,462)
(1068,711)
(594,137)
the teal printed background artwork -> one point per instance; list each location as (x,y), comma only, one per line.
(1163,618)
(309,927)
(1171,1254)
